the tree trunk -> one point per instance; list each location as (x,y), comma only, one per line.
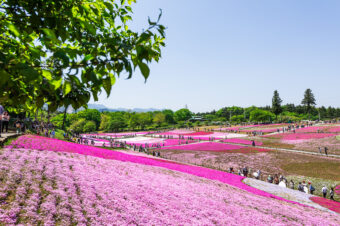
(48,115)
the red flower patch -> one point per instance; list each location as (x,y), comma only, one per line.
(329,204)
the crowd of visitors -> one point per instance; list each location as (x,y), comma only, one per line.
(281,181)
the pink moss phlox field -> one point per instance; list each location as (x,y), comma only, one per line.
(50,188)
(301,136)
(162,142)
(198,133)
(172,142)
(49,144)
(261,130)
(236,128)
(329,204)
(334,129)
(176,132)
(315,129)
(337,190)
(206,146)
(242,141)
(311,129)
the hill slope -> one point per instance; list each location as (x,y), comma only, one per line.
(63,188)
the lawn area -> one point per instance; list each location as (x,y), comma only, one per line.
(317,169)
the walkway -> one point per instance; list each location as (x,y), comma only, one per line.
(5,136)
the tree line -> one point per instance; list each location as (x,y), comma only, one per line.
(91,120)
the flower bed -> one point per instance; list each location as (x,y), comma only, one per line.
(176,132)
(162,142)
(329,204)
(49,144)
(323,129)
(242,141)
(49,188)
(334,129)
(206,146)
(216,147)
(198,133)
(300,136)
(261,130)
(337,190)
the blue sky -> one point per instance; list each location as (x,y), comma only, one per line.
(223,53)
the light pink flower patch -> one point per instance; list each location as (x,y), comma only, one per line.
(242,141)
(199,133)
(206,146)
(301,136)
(315,129)
(162,142)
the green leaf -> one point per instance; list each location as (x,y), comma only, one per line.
(4,77)
(109,6)
(144,68)
(13,29)
(56,83)
(62,55)
(67,88)
(108,83)
(88,57)
(47,75)
(107,86)
(50,34)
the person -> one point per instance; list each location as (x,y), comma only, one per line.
(305,189)
(331,193)
(291,184)
(2,110)
(5,121)
(270,179)
(326,149)
(231,170)
(324,191)
(311,188)
(18,126)
(282,184)
(53,133)
(276,179)
(257,174)
(300,187)
(245,171)
(239,172)
(253,143)
(320,151)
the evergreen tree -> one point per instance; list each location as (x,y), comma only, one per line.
(308,101)
(276,104)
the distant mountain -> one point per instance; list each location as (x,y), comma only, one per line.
(101,107)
